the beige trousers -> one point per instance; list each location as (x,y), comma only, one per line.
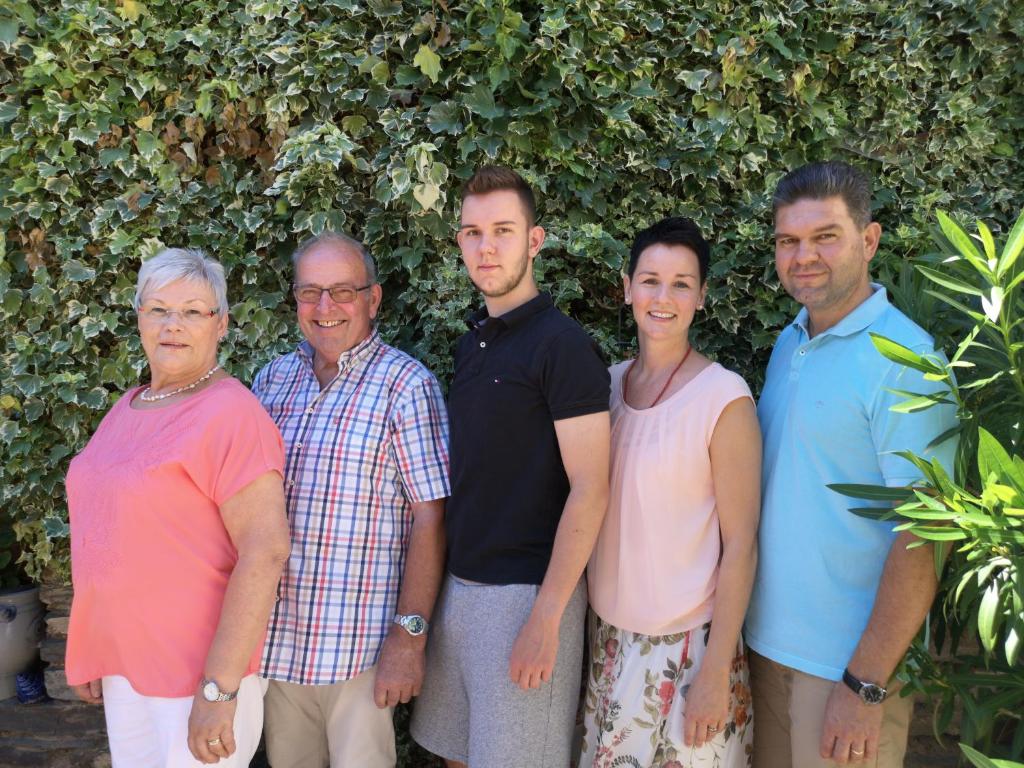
(313,726)
(789,710)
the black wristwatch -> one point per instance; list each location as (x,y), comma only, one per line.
(869,693)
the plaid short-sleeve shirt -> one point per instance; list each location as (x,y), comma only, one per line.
(358,454)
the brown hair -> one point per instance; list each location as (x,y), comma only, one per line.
(494,178)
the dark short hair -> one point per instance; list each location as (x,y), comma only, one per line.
(818,181)
(494,178)
(674,230)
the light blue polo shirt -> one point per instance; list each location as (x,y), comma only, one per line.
(825,418)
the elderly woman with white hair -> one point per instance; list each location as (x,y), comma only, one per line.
(178,538)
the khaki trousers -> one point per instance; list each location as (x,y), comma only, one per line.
(313,726)
(789,713)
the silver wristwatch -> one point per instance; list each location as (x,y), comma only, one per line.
(412,623)
(212,692)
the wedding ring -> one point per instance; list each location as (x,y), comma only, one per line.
(213,742)
(855,753)
(712,729)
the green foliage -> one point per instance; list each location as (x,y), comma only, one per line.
(979,512)
(981,761)
(242,127)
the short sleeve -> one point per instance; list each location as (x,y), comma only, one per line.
(574,378)
(240,443)
(893,432)
(420,441)
(725,388)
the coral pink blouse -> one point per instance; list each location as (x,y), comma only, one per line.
(150,557)
(655,565)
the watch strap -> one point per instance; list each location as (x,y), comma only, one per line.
(221,695)
(869,693)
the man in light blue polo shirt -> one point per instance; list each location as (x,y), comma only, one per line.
(837,598)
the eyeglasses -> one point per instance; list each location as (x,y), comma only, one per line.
(340,294)
(189,316)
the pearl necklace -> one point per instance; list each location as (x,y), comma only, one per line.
(148,398)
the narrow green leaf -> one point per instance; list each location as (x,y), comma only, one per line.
(988,614)
(1012,645)
(948,282)
(1012,249)
(987,240)
(981,761)
(904,355)
(871,492)
(943,438)
(993,458)
(960,239)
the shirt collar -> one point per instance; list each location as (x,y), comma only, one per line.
(863,315)
(513,317)
(349,357)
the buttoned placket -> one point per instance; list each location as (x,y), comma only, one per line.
(346,363)
(485,336)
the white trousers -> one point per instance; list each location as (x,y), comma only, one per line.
(152,732)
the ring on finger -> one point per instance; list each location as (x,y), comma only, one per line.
(855,753)
(213,742)
(712,729)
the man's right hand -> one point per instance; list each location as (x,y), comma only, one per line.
(400,668)
(91,692)
(534,652)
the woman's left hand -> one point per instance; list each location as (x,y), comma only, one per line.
(707,706)
(211,734)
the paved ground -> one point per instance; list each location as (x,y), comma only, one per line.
(61,734)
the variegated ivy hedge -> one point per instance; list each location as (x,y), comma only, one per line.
(241,127)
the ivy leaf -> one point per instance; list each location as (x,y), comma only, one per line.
(428,62)
(77,272)
(481,101)
(8,111)
(444,117)
(130,10)
(8,32)
(426,194)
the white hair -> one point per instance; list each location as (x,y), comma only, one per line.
(338,239)
(173,264)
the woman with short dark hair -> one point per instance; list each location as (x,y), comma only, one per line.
(672,570)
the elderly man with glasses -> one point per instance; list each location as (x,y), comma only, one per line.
(366,476)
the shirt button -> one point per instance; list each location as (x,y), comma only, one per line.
(291,483)
(310,410)
(803,351)
(483,344)
(298,445)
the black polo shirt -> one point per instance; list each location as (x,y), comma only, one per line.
(515,375)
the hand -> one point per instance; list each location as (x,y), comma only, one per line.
(707,706)
(533,654)
(850,733)
(211,721)
(91,692)
(399,669)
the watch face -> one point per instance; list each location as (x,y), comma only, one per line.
(211,691)
(872,694)
(415,625)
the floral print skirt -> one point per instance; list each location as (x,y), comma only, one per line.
(636,694)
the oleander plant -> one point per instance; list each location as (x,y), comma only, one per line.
(970,652)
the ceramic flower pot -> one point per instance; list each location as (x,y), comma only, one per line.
(21,628)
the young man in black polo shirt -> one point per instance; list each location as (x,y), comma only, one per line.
(528,407)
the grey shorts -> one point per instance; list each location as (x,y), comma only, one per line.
(469,710)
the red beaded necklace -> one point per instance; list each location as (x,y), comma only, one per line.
(664,389)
